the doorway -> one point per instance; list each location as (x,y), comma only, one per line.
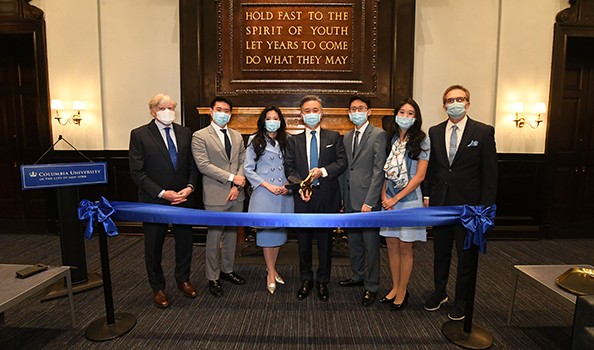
(22,136)
(570,141)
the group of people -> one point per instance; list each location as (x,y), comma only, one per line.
(367,169)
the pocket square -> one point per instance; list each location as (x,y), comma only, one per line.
(330,145)
(473,143)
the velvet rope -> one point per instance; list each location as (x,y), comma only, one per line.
(477,220)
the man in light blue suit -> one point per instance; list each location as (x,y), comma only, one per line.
(365,148)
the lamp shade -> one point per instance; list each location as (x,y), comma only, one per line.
(517,107)
(78,105)
(540,107)
(57,105)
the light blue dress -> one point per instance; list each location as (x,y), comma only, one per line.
(270,168)
(412,200)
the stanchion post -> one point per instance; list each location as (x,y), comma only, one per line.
(112,325)
(105,270)
(465,333)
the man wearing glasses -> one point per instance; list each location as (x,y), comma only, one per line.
(462,170)
(365,148)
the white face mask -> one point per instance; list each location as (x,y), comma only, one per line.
(166,116)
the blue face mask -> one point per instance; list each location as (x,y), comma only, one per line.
(220,118)
(456,110)
(312,120)
(404,123)
(358,118)
(272,125)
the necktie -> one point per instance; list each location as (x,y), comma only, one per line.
(356,142)
(453,144)
(227,143)
(171,147)
(313,153)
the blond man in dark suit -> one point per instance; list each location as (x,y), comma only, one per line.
(162,167)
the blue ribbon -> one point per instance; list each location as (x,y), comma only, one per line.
(477,220)
(100,212)
(156,213)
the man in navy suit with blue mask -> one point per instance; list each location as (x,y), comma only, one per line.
(319,152)
(462,170)
(162,167)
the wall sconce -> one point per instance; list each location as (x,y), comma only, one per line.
(58,106)
(518,107)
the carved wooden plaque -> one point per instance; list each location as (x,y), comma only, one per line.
(294,47)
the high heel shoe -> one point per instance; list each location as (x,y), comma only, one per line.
(386,300)
(271,287)
(396,307)
(279,279)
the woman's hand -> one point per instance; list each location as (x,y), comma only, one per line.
(389,203)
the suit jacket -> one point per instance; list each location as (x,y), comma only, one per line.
(331,156)
(270,168)
(364,176)
(151,167)
(472,177)
(212,161)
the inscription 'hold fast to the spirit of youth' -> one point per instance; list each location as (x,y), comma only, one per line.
(303,38)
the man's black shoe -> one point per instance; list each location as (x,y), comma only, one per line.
(214,287)
(368,298)
(350,283)
(232,277)
(303,292)
(323,293)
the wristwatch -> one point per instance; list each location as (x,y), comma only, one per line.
(239,188)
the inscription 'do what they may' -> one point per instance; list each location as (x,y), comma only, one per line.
(303,38)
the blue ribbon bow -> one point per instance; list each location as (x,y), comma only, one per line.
(477,220)
(101,212)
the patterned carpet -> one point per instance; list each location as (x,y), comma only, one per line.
(247,317)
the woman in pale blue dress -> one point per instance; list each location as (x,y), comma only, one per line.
(404,170)
(264,168)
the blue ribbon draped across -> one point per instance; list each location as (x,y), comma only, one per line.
(100,212)
(479,220)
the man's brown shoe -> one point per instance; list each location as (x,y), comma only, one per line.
(187,289)
(160,299)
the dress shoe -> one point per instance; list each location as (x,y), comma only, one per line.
(396,307)
(279,279)
(214,287)
(160,299)
(271,287)
(386,300)
(323,293)
(350,283)
(232,277)
(187,289)
(368,298)
(303,292)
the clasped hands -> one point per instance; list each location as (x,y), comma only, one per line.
(177,197)
(389,203)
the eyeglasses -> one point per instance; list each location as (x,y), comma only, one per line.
(358,109)
(455,99)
